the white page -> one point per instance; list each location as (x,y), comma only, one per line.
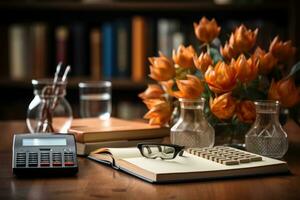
(192,163)
(119,153)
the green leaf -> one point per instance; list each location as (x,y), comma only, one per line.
(215,55)
(294,69)
(181,73)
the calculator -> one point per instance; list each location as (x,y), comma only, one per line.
(44,154)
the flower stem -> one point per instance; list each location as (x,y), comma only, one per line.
(208,49)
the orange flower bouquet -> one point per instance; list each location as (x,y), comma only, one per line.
(230,77)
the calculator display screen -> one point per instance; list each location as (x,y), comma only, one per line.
(44,142)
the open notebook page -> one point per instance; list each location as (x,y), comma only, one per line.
(192,163)
(121,153)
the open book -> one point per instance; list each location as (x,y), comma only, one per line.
(182,168)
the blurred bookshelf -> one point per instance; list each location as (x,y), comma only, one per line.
(111,40)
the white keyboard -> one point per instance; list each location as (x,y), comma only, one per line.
(225,155)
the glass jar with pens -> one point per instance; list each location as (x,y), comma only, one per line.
(49,111)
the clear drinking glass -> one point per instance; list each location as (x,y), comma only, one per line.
(266,136)
(95,99)
(192,129)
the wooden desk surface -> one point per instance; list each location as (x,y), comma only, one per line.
(96,181)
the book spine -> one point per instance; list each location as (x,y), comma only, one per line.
(138,48)
(79,50)
(62,37)
(17,51)
(109,50)
(39,50)
(95,54)
(123,46)
(166,29)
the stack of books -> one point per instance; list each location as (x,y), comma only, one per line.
(93,133)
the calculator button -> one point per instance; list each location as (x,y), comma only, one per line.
(32,159)
(69,159)
(44,164)
(45,159)
(21,160)
(56,164)
(56,159)
(69,163)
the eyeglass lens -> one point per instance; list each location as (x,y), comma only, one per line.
(154,151)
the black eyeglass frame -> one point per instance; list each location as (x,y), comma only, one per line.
(178,149)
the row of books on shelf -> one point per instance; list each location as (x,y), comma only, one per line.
(113,49)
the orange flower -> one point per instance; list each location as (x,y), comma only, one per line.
(273,93)
(266,61)
(282,50)
(222,78)
(228,52)
(223,107)
(184,56)
(285,91)
(243,39)
(246,70)
(245,111)
(153,91)
(206,30)
(159,111)
(161,68)
(190,89)
(203,61)
(289,94)
(168,86)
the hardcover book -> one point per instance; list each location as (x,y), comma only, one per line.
(79,50)
(95,54)
(139,58)
(96,130)
(109,50)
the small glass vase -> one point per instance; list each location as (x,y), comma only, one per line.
(266,136)
(192,129)
(49,111)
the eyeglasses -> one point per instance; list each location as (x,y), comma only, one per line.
(163,151)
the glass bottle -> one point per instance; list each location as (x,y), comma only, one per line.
(266,136)
(192,129)
(49,111)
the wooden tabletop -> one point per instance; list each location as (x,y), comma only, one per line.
(96,181)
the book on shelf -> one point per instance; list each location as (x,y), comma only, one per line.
(62,41)
(114,129)
(95,54)
(79,50)
(83,149)
(18,51)
(38,34)
(108,49)
(123,47)
(168,36)
(138,48)
(182,168)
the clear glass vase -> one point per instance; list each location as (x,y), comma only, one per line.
(49,111)
(266,136)
(192,129)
